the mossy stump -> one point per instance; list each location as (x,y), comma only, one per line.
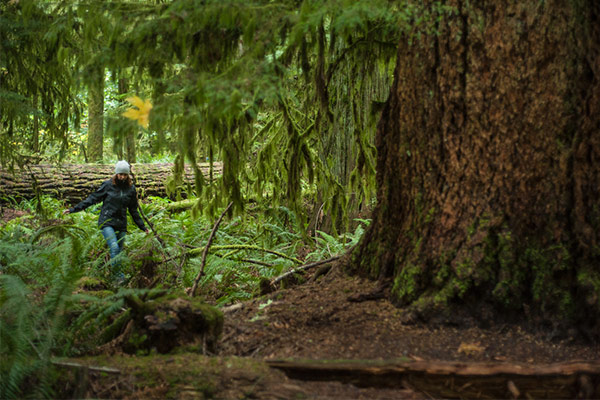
(172,321)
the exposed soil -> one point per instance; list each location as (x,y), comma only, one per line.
(7,214)
(317,321)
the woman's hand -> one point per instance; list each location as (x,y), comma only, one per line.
(67,211)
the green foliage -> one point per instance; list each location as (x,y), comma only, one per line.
(32,319)
(406,284)
(532,276)
(269,88)
(329,245)
(56,293)
(37,90)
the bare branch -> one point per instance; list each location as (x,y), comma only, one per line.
(210,239)
(303,268)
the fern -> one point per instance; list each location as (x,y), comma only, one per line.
(45,313)
(329,245)
(31,329)
(17,332)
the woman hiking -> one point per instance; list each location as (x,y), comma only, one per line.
(117,196)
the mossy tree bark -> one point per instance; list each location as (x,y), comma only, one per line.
(488,173)
(95,141)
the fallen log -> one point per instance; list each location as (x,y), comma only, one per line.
(74,182)
(568,380)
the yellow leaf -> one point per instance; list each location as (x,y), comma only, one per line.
(141,112)
(131,113)
(136,102)
(471,348)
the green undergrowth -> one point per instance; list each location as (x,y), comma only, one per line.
(58,296)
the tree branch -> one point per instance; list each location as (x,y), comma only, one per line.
(303,268)
(210,239)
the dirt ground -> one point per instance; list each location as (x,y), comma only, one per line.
(7,214)
(317,321)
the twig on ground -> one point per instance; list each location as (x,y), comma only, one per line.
(232,308)
(303,268)
(92,368)
(194,251)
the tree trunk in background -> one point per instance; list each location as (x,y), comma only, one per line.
(95,140)
(130,153)
(74,182)
(488,166)
(35,135)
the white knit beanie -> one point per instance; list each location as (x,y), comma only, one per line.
(122,167)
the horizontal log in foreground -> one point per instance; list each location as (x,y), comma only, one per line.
(74,182)
(464,380)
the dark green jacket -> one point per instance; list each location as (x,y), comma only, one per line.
(116,201)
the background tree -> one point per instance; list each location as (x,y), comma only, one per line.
(95,141)
(129,131)
(37,87)
(487,165)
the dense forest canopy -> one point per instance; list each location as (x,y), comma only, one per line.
(470,128)
(285,93)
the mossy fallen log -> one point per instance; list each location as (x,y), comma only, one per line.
(74,182)
(173,376)
(172,321)
(566,380)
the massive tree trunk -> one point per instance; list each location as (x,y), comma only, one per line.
(74,182)
(488,175)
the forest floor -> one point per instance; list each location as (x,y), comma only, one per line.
(318,321)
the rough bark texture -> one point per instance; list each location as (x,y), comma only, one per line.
(488,166)
(74,182)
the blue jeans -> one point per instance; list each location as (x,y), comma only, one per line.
(114,240)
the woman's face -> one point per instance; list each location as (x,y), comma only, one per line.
(121,177)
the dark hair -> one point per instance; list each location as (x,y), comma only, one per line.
(128,181)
